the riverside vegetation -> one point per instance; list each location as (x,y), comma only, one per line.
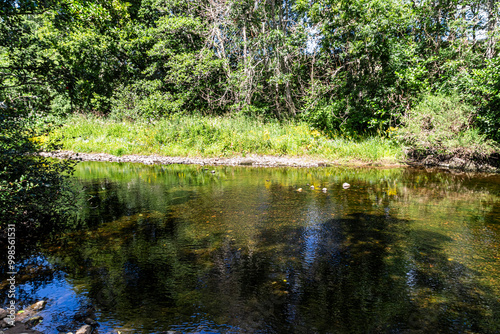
(438,125)
(217,136)
(361,80)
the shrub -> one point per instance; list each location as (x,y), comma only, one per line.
(324,116)
(144,99)
(443,124)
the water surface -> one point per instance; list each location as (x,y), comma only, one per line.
(241,250)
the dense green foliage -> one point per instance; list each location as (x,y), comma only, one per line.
(33,190)
(443,125)
(353,66)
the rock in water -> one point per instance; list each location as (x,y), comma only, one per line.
(63,328)
(85,312)
(3,313)
(91,322)
(38,306)
(6,322)
(21,328)
(32,322)
(87,329)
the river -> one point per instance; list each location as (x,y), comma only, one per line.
(269,250)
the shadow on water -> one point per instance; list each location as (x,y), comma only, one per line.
(444,293)
(351,275)
(366,279)
(196,252)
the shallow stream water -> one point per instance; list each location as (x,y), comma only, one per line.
(241,250)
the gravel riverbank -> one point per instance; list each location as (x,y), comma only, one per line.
(454,163)
(251,160)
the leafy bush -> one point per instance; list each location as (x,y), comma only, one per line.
(61,105)
(143,99)
(324,116)
(443,124)
(486,90)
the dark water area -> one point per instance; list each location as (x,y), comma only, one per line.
(241,250)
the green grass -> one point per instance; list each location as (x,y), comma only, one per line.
(197,136)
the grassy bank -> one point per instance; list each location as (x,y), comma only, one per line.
(196,136)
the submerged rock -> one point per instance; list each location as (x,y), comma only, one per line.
(87,329)
(30,311)
(69,327)
(32,322)
(91,322)
(38,306)
(84,313)
(63,328)
(3,313)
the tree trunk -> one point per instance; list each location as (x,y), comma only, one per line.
(492,21)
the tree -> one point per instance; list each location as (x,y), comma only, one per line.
(33,190)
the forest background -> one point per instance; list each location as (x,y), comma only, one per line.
(421,76)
